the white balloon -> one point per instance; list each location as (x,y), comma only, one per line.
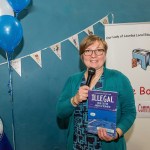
(1,128)
(5,8)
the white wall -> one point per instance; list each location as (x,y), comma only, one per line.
(138,137)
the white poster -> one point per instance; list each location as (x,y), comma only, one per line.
(129,52)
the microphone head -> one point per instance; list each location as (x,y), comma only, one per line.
(91,71)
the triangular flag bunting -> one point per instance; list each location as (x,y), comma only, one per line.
(56,48)
(104,20)
(16,64)
(37,58)
(74,40)
(89,30)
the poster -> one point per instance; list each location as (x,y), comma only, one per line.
(129,52)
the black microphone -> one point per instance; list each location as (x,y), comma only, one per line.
(91,72)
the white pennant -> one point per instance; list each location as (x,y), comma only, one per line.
(89,30)
(104,20)
(74,40)
(37,58)
(16,64)
(56,48)
(5,8)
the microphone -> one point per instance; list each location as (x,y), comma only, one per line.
(91,72)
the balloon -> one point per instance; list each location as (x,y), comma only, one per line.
(5,8)
(18,5)
(10,33)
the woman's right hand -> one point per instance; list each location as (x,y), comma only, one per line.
(81,95)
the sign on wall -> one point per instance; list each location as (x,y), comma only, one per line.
(129,52)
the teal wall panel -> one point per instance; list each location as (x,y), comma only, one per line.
(45,23)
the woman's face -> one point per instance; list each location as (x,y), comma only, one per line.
(94,61)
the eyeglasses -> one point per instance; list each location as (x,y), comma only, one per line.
(98,52)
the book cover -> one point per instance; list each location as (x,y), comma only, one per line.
(102,111)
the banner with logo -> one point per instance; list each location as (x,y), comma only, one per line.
(129,52)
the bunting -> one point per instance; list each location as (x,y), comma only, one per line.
(105,20)
(75,41)
(89,30)
(56,48)
(16,64)
(37,58)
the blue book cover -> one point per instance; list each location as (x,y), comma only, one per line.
(102,111)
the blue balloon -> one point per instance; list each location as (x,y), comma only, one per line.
(18,5)
(11,33)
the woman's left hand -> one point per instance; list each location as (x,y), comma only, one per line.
(104,136)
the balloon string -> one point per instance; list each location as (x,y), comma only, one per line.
(10,88)
(16,14)
(10,91)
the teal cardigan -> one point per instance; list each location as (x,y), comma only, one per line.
(126,111)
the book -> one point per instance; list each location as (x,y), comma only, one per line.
(102,111)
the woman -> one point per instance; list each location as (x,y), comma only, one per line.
(72,103)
